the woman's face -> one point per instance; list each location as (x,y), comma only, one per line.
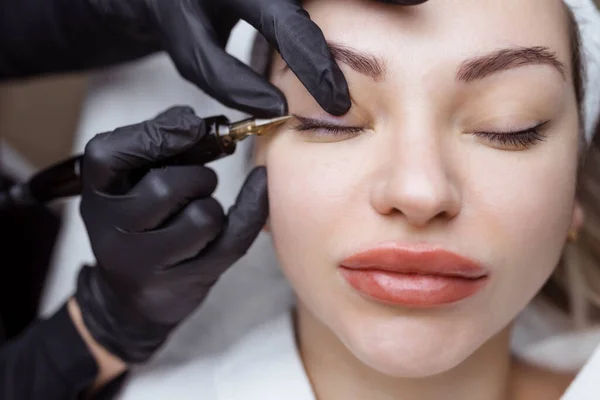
(462,138)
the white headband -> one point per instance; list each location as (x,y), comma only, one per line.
(588,20)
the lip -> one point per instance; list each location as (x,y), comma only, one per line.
(413,276)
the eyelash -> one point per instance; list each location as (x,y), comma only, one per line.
(328,129)
(517,139)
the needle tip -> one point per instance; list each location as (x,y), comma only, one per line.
(273,121)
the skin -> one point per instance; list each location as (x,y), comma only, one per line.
(109,365)
(417,174)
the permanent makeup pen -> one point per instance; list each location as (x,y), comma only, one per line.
(64,179)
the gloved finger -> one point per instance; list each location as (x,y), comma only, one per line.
(245,220)
(231,82)
(302,45)
(162,193)
(182,238)
(227,21)
(111,156)
(236,85)
(197,51)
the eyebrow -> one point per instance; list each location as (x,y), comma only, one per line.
(363,63)
(470,70)
(505,59)
(366,64)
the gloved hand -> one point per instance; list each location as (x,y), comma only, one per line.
(195,32)
(163,243)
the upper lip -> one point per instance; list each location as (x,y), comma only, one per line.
(410,259)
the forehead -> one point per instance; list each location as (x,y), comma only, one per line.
(450,30)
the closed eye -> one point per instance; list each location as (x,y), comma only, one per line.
(514,140)
(317,128)
(518,140)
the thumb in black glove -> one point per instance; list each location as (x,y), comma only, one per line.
(162,244)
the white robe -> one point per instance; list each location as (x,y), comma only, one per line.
(264,364)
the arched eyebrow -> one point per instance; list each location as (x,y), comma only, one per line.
(363,63)
(470,70)
(366,64)
(505,59)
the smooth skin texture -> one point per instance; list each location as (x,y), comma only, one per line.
(415,169)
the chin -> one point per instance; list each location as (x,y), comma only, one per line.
(411,346)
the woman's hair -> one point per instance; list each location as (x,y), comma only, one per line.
(575,285)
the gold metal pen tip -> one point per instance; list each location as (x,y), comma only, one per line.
(254,127)
(273,121)
(263,126)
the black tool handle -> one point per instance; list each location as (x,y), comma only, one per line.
(210,148)
(64,179)
(60,180)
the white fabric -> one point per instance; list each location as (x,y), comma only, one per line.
(265,365)
(210,356)
(546,337)
(588,19)
(587,384)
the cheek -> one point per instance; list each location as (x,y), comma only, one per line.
(521,209)
(515,213)
(311,189)
(317,193)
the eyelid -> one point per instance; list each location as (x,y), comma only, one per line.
(313,123)
(307,124)
(516,132)
(515,140)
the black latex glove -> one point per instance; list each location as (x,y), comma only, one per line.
(195,32)
(50,36)
(161,245)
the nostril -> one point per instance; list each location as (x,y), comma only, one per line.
(418,201)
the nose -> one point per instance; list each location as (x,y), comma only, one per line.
(416,181)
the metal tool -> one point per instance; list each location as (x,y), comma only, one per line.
(64,179)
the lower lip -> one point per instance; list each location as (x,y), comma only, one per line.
(412,290)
